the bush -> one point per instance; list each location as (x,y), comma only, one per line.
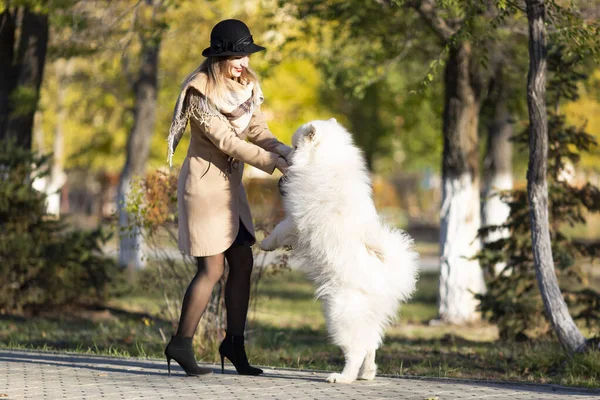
(43,263)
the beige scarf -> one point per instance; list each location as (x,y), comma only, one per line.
(237,110)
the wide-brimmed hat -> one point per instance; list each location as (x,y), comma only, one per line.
(231,37)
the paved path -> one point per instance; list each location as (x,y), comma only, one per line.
(38,375)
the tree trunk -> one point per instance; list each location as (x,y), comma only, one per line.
(51,184)
(58,177)
(567,332)
(366,123)
(7,69)
(29,69)
(138,147)
(497,166)
(460,210)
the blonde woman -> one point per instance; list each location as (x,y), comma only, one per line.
(221,99)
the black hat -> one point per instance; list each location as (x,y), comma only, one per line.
(231,38)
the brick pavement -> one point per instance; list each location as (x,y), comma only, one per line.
(40,375)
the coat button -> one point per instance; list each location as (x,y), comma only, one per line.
(236,164)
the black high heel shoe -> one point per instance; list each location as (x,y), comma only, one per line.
(233,348)
(180,349)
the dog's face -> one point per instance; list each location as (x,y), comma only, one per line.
(309,137)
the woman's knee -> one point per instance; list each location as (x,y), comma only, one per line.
(211,267)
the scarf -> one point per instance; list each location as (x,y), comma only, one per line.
(237,111)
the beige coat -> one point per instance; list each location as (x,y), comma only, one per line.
(210,194)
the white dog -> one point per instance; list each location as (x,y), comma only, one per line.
(362,268)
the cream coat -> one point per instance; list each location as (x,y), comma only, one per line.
(210,194)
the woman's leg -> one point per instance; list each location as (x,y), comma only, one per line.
(237,290)
(237,296)
(197,295)
(180,349)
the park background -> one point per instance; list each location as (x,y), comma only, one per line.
(98,271)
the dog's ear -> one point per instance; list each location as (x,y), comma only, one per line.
(312,131)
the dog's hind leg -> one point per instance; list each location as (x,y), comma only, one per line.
(354,359)
(368,368)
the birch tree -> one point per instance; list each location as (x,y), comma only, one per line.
(461,276)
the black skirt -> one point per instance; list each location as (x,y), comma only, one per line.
(244,238)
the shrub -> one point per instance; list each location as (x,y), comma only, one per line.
(43,263)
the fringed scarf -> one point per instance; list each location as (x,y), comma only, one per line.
(238,111)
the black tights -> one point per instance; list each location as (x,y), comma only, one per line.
(237,290)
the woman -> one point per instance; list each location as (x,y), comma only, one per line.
(222,99)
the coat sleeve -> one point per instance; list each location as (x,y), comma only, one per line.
(222,135)
(259,133)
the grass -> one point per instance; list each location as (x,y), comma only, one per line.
(286,329)
(97,332)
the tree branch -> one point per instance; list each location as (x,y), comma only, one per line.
(427,10)
(390,63)
(517,6)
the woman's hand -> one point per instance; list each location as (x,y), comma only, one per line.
(281,164)
(283,150)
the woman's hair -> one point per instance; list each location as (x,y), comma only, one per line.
(219,90)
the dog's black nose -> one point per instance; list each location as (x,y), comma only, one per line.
(280,185)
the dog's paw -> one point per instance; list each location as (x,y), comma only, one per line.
(267,245)
(339,378)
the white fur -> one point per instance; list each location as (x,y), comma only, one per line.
(362,268)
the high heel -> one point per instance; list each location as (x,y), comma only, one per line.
(180,349)
(233,348)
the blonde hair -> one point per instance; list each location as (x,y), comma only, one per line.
(219,89)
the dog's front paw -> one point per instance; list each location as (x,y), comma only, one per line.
(267,244)
(339,378)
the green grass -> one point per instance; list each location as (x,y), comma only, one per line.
(286,329)
(99,332)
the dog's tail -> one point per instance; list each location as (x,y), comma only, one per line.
(395,249)
(392,272)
